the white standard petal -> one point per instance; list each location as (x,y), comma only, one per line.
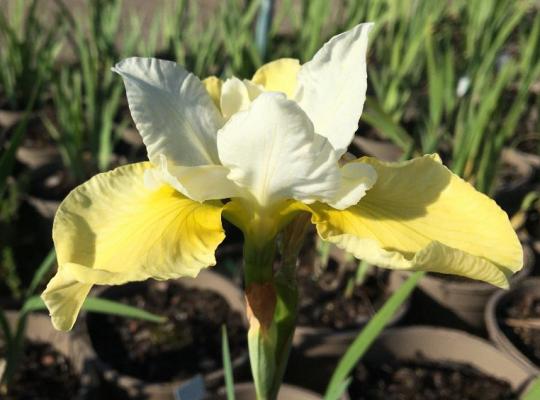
(274,153)
(237,95)
(356,180)
(332,86)
(201,183)
(172,111)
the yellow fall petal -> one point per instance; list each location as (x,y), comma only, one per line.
(64,297)
(420,216)
(213,85)
(112,230)
(278,76)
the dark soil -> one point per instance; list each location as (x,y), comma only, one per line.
(36,135)
(324,301)
(424,380)
(507,175)
(51,182)
(519,310)
(27,237)
(44,374)
(532,224)
(188,343)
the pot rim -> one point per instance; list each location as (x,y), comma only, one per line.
(350,333)
(448,336)
(496,334)
(314,330)
(227,290)
(296,390)
(78,353)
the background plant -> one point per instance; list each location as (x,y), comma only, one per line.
(477,67)
(89,123)
(459,78)
(10,197)
(28,53)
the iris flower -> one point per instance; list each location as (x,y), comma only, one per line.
(258,153)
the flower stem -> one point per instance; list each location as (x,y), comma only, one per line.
(272,300)
(261,304)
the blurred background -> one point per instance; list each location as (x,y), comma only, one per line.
(456,77)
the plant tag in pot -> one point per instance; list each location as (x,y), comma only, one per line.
(193,389)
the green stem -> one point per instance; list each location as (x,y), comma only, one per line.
(261,304)
(287,293)
(285,318)
(258,260)
(272,310)
(271,298)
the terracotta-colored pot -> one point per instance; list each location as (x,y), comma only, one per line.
(434,344)
(495,305)
(382,150)
(9,118)
(49,184)
(139,388)
(39,329)
(36,157)
(29,153)
(510,194)
(314,357)
(246,391)
(448,345)
(132,137)
(464,300)
(306,335)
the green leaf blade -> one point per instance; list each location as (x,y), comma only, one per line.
(99,305)
(367,336)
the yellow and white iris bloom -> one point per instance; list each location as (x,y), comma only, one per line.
(272,146)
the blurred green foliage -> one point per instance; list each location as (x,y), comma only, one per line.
(454,77)
(458,77)
(28,51)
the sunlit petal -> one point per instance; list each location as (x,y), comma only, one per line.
(420,216)
(172,110)
(274,154)
(237,95)
(205,182)
(113,229)
(64,298)
(356,180)
(213,85)
(278,76)
(332,86)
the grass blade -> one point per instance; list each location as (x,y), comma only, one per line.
(42,270)
(375,116)
(7,159)
(99,305)
(227,366)
(366,337)
(105,306)
(534,391)
(6,330)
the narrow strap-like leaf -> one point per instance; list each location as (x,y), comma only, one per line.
(367,336)
(227,366)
